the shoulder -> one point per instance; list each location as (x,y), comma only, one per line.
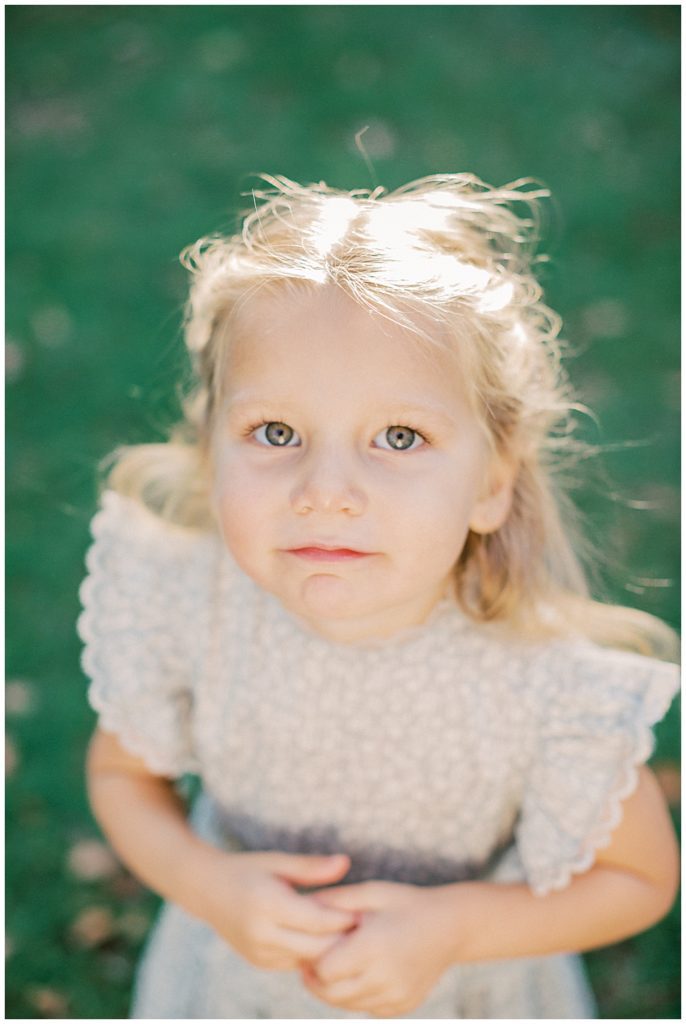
(557,666)
(561,679)
(125,530)
(573,671)
(140,563)
(123,520)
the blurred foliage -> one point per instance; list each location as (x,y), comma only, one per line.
(133,130)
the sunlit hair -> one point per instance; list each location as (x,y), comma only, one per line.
(457,255)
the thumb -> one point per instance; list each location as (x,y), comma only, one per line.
(303,869)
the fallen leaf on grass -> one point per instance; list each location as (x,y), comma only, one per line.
(93,926)
(11,757)
(48,1001)
(14,360)
(20,697)
(90,860)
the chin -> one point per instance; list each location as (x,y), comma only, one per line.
(330,608)
(329,598)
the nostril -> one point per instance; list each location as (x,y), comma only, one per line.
(327,483)
(328,500)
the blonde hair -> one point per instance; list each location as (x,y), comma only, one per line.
(453,250)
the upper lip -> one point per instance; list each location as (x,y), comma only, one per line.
(327,547)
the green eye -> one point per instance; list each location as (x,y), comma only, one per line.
(278,435)
(399,439)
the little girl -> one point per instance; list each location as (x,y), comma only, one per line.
(343,596)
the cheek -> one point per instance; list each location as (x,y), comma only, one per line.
(435,512)
(431,553)
(444,496)
(239,505)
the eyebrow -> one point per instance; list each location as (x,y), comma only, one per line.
(250,396)
(411,408)
(419,410)
(250,399)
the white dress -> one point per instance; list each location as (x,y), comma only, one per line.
(448,752)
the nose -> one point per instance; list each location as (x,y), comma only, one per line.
(327,484)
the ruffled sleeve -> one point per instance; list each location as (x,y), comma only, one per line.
(598,707)
(134,628)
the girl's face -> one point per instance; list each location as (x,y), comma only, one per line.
(348,465)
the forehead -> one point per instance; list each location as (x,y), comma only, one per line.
(320,336)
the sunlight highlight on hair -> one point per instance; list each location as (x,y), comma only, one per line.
(452,259)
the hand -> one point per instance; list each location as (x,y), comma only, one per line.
(256,909)
(388,964)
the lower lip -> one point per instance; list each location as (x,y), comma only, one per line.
(322,555)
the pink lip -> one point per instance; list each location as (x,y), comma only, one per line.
(317,554)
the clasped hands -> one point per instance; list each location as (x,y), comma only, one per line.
(389,961)
(373,947)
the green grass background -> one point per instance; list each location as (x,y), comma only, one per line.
(133,130)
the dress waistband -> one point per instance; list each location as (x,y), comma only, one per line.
(241,833)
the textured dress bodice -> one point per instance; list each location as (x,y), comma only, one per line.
(450,751)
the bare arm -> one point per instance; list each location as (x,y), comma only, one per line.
(248,898)
(410,935)
(145,821)
(631,886)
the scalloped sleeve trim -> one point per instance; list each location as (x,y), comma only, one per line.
(133,600)
(598,734)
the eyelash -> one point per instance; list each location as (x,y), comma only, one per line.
(250,430)
(420,433)
(256,426)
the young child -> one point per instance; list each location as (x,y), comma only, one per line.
(343,594)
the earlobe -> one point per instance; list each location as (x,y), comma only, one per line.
(491,511)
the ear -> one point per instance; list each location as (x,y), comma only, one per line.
(493,507)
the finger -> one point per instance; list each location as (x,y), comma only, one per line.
(303,869)
(346,958)
(302,946)
(385,1009)
(360,897)
(276,961)
(354,993)
(305,914)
